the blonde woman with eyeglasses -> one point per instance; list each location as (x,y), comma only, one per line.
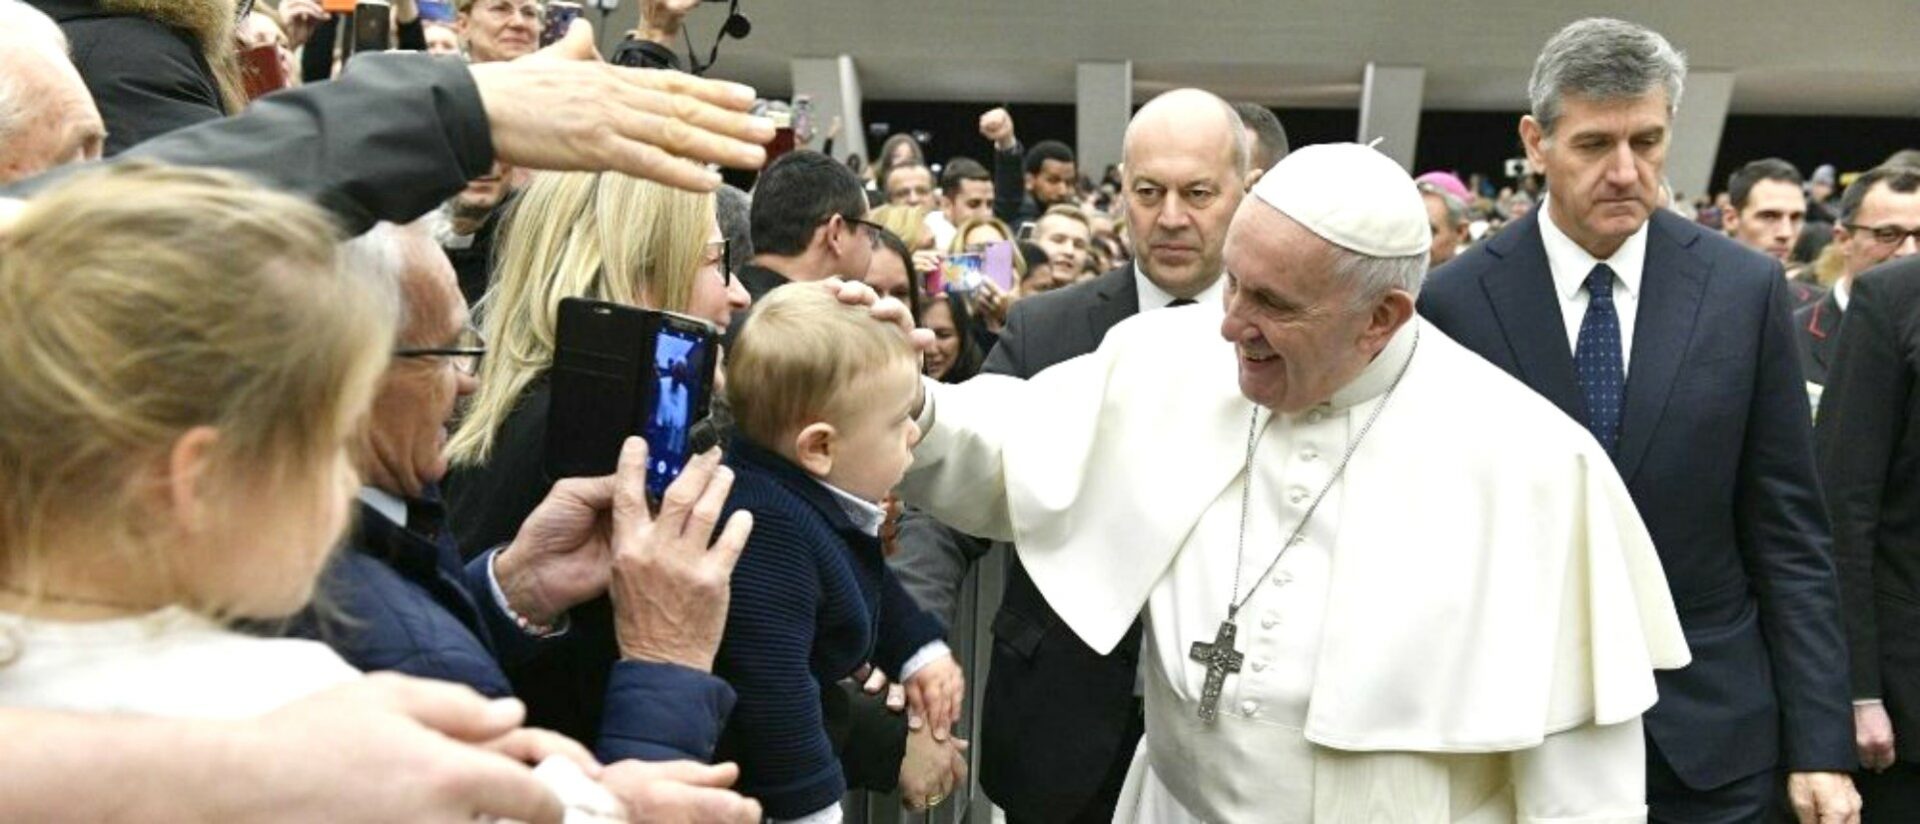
(601,236)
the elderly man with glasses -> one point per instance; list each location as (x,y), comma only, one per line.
(399,598)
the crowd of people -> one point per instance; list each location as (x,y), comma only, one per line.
(1571,500)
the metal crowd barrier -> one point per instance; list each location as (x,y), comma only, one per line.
(972,642)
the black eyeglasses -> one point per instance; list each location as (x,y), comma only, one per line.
(1886,235)
(720,253)
(874,230)
(464,355)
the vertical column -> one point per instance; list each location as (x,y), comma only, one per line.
(1105,103)
(834,85)
(1390,104)
(1696,132)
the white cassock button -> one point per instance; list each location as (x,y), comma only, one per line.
(1316,416)
(1297,495)
(1309,454)
(1249,708)
(1268,621)
(1259,665)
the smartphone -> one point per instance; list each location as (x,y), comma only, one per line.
(1025,231)
(998,264)
(620,371)
(964,272)
(372,26)
(261,70)
(560,17)
(802,119)
(683,365)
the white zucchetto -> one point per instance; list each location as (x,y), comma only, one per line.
(1351,195)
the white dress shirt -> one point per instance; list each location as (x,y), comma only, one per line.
(1153,297)
(1571,265)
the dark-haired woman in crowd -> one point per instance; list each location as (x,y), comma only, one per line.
(957,349)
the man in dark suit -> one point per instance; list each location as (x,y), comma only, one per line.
(1060,722)
(1878,214)
(1674,346)
(1869,417)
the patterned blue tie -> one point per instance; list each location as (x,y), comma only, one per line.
(1596,360)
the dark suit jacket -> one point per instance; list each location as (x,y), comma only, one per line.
(1869,439)
(1716,449)
(1056,713)
(759,280)
(400,600)
(1817,328)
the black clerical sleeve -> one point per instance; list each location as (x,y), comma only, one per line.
(393,137)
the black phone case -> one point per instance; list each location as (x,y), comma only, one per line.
(602,384)
(372,29)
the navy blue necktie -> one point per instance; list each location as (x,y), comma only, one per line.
(1597,362)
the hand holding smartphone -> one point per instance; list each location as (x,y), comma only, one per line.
(620,371)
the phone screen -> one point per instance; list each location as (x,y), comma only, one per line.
(679,358)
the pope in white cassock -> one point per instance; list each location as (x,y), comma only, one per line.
(1382,580)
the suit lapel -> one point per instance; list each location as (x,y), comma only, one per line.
(1824,328)
(1528,311)
(1118,299)
(1671,287)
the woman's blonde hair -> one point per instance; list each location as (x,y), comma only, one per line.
(908,223)
(138,302)
(602,236)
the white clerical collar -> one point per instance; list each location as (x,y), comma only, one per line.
(1153,297)
(866,515)
(1843,292)
(1571,264)
(386,503)
(1374,380)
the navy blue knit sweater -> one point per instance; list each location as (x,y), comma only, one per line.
(812,601)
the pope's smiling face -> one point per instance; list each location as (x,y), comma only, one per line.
(1299,328)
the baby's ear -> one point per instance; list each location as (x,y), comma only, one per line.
(813,448)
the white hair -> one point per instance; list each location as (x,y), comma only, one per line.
(1603,59)
(1374,277)
(24,31)
(380,255)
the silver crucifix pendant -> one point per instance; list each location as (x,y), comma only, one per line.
(1220,659)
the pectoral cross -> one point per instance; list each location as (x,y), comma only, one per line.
(1220,659)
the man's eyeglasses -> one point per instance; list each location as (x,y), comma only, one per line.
(1886,235)
(719,255)
(874,230)
(464,355)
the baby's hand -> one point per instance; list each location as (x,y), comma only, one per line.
(934,693)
